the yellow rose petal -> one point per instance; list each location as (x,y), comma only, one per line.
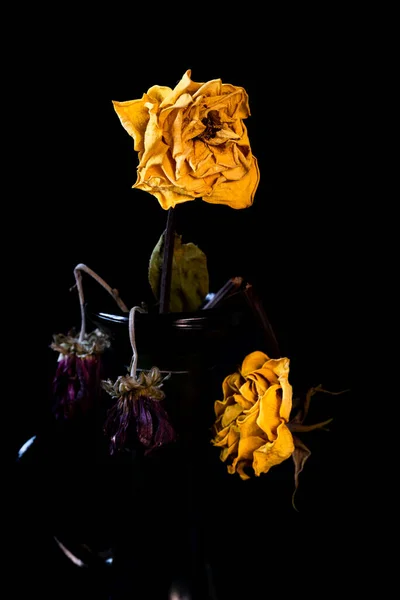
(273,453)
(185,85)
(252,362)
(231,384)
(247,423)
(236,194)
(168,197)
(240,469)
(158,93)
(229,451)
(233,435)
(247,396)
(246,449)
(269,406)
(220,405)
(134,116)
(281,368)
(221,437)
(230,414)
(265,374)
(259,382)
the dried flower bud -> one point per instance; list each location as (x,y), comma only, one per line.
(138,414)
(76,383)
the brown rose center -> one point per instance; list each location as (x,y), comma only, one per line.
(212,123)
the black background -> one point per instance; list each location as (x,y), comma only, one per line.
(73,167)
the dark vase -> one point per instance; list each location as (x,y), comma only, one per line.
(145,524)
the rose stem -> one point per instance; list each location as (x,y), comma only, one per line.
(231,286)
(133,339)
(259,312)
(114,293)
(166,272)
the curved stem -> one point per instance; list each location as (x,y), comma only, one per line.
(132,338)
(113,292)
(78,279)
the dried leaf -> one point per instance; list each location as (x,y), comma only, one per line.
(300,428)
(190,279)
(300,455)
(301,408)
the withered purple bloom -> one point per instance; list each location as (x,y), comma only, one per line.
(137,414)
(77,380)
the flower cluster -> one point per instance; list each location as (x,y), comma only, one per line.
(192,143)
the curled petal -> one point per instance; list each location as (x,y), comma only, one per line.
(273,453)
(244,458)
(230,451)
(268,418)
(247,423)
(247,396)
(252,362)
(231,413)
(258,383)
(239,193)
(231,384)
(134,116)
(221,437)
(263,377)
(220,406)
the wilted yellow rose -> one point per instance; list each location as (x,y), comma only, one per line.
(192,143)
(251,420)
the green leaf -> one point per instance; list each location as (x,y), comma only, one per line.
(189,281)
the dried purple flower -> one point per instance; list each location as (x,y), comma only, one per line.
(137,414)
(76,383)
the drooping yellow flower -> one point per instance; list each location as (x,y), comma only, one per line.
(192,143)
(251,420)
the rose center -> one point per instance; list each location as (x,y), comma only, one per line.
(212,123)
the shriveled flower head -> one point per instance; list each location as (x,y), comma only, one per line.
(251,420)
(137,413)
(76,382)
(192,143)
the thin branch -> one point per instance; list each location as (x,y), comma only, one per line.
(258,309)
(166,273)
(230,287)
(113,292)
(133,338)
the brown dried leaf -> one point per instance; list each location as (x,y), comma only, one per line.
(300,455)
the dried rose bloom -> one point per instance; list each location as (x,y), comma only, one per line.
(251,420)
(192,142)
